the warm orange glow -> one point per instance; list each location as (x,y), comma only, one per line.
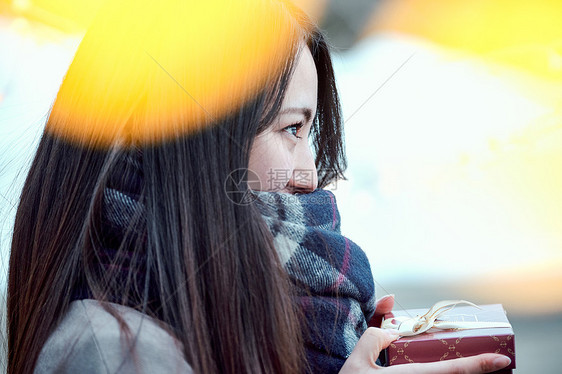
(149,70)
(74,16)
(534,289)
(525,34)
(315,9)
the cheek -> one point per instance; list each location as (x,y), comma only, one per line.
(271,162)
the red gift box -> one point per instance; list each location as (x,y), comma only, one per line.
(438,345)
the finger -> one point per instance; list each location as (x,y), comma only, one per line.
(371,343)
(384,304)
(484,363)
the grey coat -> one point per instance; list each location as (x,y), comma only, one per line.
(89,340)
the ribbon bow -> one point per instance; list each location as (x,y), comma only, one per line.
(410,326)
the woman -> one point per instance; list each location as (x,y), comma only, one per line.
(134,223)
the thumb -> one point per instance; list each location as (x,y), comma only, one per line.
(364,355)
(384,305)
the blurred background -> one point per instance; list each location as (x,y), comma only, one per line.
(453,118)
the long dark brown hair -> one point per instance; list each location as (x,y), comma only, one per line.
(209,268)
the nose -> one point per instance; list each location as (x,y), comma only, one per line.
(304,178)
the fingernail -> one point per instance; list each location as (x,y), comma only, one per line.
(502,362)
(387,296)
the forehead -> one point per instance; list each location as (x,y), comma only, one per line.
(303,86)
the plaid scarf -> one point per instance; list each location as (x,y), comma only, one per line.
(331,275)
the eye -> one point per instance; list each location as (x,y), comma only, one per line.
(294,129)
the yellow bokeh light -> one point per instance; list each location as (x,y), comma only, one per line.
(524,34)
(146,71)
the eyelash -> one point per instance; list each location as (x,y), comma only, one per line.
(297,126)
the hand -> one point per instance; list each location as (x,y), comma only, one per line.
(384,306)
(364,356)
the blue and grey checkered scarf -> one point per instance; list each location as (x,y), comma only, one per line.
(331,275)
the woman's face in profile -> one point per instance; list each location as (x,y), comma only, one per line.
(281,156)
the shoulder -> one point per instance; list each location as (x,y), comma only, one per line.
(89,339)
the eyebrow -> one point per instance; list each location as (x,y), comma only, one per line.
(306,112)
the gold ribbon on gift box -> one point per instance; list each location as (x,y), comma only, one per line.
(410,326)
